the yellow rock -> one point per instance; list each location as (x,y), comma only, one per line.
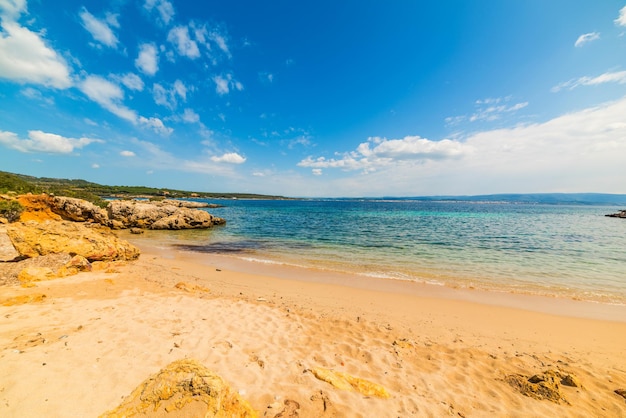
(345,381)
(23,299)
(36,274)
(183,388)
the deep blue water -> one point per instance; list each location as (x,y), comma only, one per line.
(565,250)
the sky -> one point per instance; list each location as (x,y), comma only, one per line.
(351,98)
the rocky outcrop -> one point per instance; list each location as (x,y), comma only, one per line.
(546,385)
(78,210)
(7,250)
(120,214)
(95,243)
(184,388)
(158,215)
(620,214)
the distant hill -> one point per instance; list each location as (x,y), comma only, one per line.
(541,198)
(93,192)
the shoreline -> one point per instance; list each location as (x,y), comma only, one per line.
(264,331)
(559,305)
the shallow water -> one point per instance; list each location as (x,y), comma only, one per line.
(558,250)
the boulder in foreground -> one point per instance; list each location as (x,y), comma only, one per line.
(184,388)
(95,243)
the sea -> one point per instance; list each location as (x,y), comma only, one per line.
(560,250)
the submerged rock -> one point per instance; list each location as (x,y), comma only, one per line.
(620,214)
(184,388)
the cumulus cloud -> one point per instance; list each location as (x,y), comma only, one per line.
(179,37)
(99,29)
(39,141)
(621,19)
(578,151)
(230,157)
(586,38)
(131,81)
(25,58)
(164,8)
(148,60)
(618,77)
(225,82)
(156,125)
(12,9)
(381,152)
(316,171)
(127,154)
(108,95)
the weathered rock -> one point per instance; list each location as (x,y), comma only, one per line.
(136,231)
(36,274)
(345,381)
(9,272)
(620,214)
(185,203)
(7,250)
(32,239)
(37,208)
(23,299)
(183,388)
(77,210)
(543,386)
(158,215)
(76,265)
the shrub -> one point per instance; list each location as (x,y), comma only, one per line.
(10,209)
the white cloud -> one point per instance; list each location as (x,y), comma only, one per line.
(34,94)
(132,81)
(180,89)
(127,154)
(576,152)
(95,165)
(609,77)
(12,9)
(148,60)
(163,7)
(220,41)
(108,95)
(190,116)
(489,109)
(621,20)
(179,37)
(25,58)
(99,29)
(316,171)
(39,141)
(230,157)
(169,97)
(156,125)
(381,152)
(586,38)
(224,83)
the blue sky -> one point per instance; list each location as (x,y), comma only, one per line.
(320,98)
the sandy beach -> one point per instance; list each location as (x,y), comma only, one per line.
(82,348)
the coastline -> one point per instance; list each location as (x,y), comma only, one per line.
(437,350)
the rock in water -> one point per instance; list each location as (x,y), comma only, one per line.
(95,243)
(183,388)
(158,215)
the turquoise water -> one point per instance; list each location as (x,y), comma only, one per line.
(559,250)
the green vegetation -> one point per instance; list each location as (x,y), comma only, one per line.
(10,209)
(94,192)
